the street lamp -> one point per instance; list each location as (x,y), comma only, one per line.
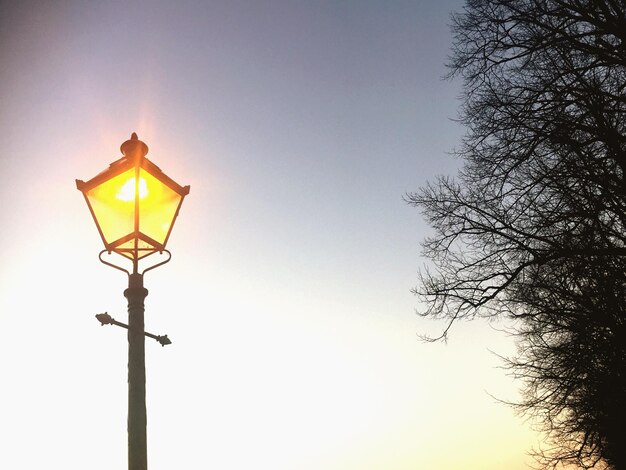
(134,205)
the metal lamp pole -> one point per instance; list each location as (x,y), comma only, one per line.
(137,419)
(137,415)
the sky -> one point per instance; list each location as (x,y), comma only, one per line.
(299,126)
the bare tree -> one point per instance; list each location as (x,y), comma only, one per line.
(533,227)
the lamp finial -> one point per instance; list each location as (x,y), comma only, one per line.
(134,148)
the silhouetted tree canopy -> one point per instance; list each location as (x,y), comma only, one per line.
(533,226)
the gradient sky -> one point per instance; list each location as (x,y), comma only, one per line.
(299,126)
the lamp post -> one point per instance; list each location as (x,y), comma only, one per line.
(134,205)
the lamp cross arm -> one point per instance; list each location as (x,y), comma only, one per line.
(106,319)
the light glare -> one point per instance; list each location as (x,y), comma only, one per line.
(127,191)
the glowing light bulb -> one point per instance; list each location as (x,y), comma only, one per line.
(127,191)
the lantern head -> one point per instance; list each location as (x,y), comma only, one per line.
(133,203)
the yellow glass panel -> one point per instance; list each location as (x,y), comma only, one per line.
(113,205)
(157,208)
(129,245)
(128,248)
